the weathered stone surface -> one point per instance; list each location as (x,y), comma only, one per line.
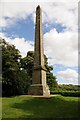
(36,89)
(39,86)
(39,89)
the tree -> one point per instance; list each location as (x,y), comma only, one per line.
(14,79)
(51,79)
(27,63)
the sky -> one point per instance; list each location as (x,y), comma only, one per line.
(60,32)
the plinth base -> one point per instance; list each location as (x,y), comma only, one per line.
(39,89)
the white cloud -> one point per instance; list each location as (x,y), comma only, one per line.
(64,13)
(14,11)
(68,76)
(23,45)
(62,47)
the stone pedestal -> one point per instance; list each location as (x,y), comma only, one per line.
(38,89)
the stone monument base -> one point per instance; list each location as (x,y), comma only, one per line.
(39,89)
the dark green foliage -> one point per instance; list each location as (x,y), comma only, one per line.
(27,63)
(16,86)
(70,93)
(23,82)
(51,80)
(67,93)
(15,80)
(68,87)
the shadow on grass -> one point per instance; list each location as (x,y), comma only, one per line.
(41,108)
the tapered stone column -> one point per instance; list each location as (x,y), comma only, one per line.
(39,85)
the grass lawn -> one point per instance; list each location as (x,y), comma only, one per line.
(32,107)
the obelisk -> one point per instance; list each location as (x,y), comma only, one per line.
(39,85)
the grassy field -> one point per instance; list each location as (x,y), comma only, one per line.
(32,107)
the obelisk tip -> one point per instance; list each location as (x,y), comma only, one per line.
(38,7)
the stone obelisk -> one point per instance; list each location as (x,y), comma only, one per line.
(39,85)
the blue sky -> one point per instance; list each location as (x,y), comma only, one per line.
(59,34)
(26,28)
(22,28)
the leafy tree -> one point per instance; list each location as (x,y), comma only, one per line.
(27,63)
(14,79)
(51,80)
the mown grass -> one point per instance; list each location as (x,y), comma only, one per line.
(31,107)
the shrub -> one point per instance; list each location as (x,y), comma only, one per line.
(70,93)
(67,93)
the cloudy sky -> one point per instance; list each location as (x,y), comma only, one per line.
(60,32)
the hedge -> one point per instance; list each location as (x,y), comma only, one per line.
(67,93)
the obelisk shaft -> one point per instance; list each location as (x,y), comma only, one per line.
(39,52)
(39,85)
(39,69)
